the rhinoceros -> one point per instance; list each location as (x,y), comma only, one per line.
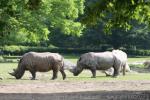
(110,71)
(147,63)
(40,62)
(101,61)
(123,58)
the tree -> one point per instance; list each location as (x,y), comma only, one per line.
(28,18)
(116,13)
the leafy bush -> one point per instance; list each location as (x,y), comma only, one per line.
(139,52)
(1,59)
(20,50)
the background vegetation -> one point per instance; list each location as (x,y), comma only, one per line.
(74,26)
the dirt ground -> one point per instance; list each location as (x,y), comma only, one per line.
(85,90)
(81,90)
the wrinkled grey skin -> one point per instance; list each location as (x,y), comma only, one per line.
(95,61)
(100,61)
(68,65)
(39,62)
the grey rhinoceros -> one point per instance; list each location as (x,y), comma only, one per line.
(101,61)
(40,62)
(147,63)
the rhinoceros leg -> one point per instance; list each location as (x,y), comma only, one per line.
(124,69)
(63,73)
(93,70)
(116,72)
(33,75)
(55,72)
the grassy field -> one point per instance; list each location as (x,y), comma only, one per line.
(84,76)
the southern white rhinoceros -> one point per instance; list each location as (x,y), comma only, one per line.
(147,63)
(40,62)
(123,58)
(101,61)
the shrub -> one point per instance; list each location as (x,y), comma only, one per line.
(20,50)
(1,59)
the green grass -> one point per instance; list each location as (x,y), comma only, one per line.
(138,59)
(84,76)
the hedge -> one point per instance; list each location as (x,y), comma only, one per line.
(20,50)
(139,52)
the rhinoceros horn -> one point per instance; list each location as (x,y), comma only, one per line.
(13,73)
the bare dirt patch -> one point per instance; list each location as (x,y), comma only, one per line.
(85,90)
(66,86)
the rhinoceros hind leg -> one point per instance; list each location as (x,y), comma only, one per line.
(63,73)
(55,72)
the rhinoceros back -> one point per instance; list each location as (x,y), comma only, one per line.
(41,61)
(101,61)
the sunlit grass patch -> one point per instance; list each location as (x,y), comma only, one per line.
(84,76)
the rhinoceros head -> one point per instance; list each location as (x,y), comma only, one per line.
(17,73)
(77,70)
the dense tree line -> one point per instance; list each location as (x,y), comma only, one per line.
(75,23)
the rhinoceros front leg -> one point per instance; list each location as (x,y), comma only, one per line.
(93,70)
(33,75)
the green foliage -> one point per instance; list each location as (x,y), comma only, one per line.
(138,52)
(1,59)
(27,21)
(116,13)
(20,50)
(63,15)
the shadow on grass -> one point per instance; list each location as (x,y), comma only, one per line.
(88,95)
